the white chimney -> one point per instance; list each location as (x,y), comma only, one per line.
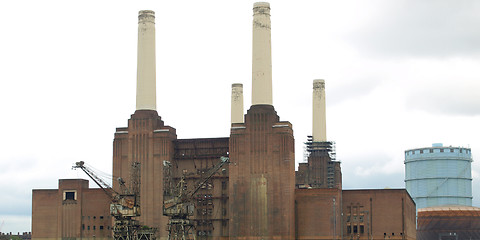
(146,86)
(237,103)
(319,120)
(261,55)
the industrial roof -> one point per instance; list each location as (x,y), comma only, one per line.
(449,210)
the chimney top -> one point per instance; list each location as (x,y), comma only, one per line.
(261,8)
(318,83)
(237,85)
(261,4)
(146,16)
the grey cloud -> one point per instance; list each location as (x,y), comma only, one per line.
(371,171)
(352,89)
(459,99)
(377,181)
(422,28)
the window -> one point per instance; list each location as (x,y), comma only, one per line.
(83,226)
(355,229)
(451,150)
(93,227)
(204,233)
(101,217)
(421,151)
(88,227)
(101,227)
(431,150)
(207,185)
(224,185)
(69,195)
(349,229)
(205,211)
(441,150)
(362,229)
(94,217)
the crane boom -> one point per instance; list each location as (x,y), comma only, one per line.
(180,206)
(210,173)
(124,207)
(102,184)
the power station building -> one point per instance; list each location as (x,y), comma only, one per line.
(258,195)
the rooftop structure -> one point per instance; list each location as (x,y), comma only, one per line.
(448,222)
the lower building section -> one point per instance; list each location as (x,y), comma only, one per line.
(450,222)
(73,211)
(354,214)
(318,213)
(378,214)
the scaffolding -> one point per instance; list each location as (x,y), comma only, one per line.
(327,146)
(322,164)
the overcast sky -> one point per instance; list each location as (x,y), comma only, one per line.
(399,75)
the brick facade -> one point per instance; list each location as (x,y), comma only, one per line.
(72,211)
(262,180)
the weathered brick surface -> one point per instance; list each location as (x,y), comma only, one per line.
(386,213)
(147,141)
(262,177)
(87,216)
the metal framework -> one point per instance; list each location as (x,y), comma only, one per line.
(125,206)
(178,202)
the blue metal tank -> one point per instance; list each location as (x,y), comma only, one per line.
(439,175)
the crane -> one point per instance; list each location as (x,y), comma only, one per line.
(179,206)
(125,206)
